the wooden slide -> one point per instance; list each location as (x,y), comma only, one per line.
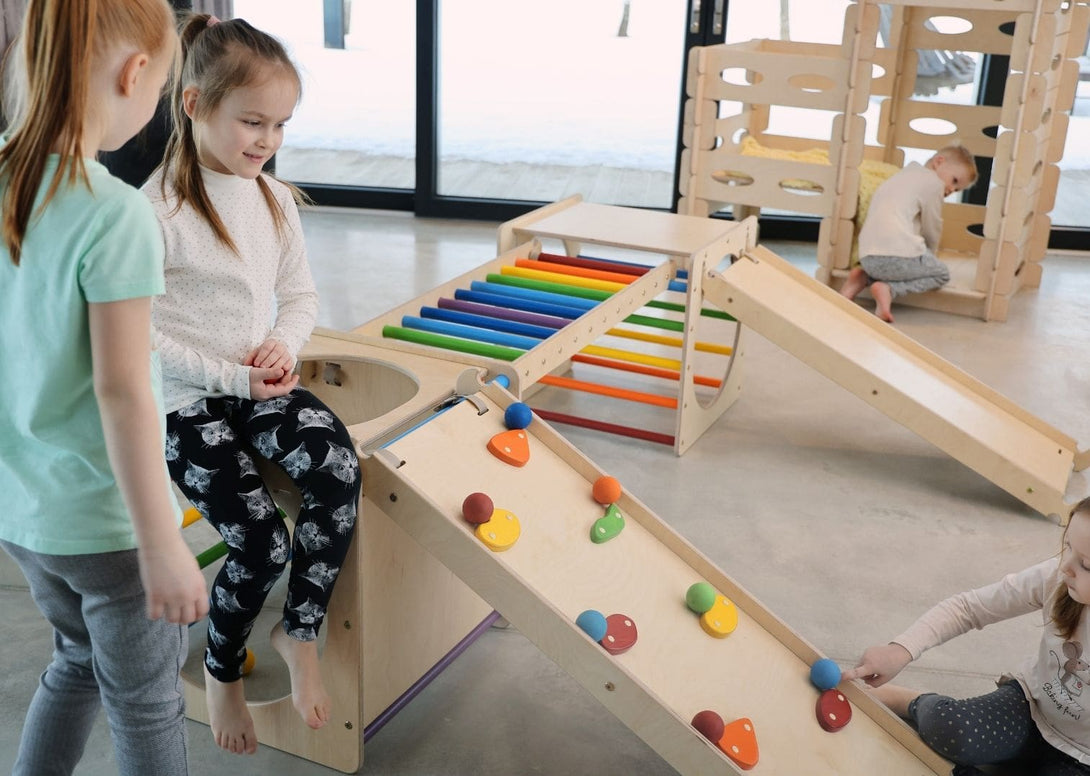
(957,413)
(554,571)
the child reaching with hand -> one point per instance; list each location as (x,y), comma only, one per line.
(88,513)
(1037,717)
(234,245)
(898,240)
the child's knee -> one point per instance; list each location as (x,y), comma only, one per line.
(951,728)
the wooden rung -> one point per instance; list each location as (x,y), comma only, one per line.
(804,75)
(970,121)
(1039,231)
(983,5)
(1060,124)
(1039,58)
(984,36)
(1050,183)
(1068,85)
(1080,29)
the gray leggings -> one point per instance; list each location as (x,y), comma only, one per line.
(988,730)
(913,275)
(107,653)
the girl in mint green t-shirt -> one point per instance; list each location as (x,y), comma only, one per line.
(88,513)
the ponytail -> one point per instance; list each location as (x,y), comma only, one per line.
(57,45)
(56,53)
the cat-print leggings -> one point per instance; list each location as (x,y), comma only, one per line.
(209,448)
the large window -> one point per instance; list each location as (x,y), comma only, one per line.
(484,108)
(538,101)
(355,125)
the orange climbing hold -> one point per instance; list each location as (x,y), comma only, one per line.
(739,743)
(511,447)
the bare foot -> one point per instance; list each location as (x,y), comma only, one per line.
(856,282)
(232,725)
(884,299)
(896,697)
(308,694)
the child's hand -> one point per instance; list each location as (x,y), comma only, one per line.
(270,383)
(880,664)
(270,354)
(173,583)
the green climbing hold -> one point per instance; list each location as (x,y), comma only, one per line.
(608,525)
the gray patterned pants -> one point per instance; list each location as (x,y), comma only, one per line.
(912,275)
(208,451)
(988,730)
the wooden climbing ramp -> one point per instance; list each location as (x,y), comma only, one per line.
(553,572)
(912,385)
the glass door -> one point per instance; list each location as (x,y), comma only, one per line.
(538,101)
(485,108)
(355,125)
(1070,209)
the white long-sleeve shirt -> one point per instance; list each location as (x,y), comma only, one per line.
(219,305)
(1056,679)
(905,215)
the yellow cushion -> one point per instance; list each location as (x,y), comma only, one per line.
(750,147)
(872,174)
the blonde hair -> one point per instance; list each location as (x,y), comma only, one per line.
(960,153)
(60,42)
(218,58)
(1065,612)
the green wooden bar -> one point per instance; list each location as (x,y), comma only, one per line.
(452,343)
(544,285)
(212,554)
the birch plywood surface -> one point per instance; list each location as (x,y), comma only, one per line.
(1029,459)
(554,572)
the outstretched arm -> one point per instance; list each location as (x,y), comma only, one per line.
(879,664)
(121,353)
(1014,595)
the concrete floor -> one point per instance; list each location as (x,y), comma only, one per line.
(843,523)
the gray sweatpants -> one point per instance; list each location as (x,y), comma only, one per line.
(912,275)
(106,652)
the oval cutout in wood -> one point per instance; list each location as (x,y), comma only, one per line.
(950,25)
(932,125)
(740,76)
(732,178)
(802,187)
(811,83)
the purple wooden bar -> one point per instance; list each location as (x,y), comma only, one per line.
(537,319)
(418,686)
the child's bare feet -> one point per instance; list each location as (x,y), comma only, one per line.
(230,720)
(895,697)
(884,299)
(856,282)
(308,693)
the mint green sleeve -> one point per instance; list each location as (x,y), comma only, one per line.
(122,256)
